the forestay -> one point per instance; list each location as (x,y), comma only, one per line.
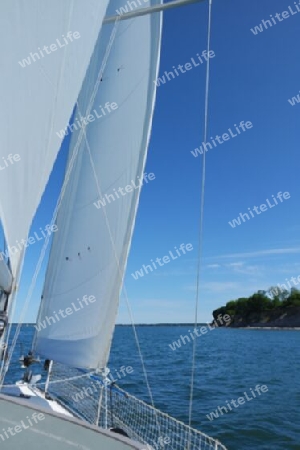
(42,70)
(90,248)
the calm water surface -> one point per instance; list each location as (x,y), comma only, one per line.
(229,363)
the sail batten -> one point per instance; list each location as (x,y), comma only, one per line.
(96,218)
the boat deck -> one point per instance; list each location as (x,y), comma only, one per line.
(34,397)
(33,424)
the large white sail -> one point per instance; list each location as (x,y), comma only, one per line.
(90,248)
(47,47)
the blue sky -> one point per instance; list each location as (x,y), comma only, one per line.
(252,78)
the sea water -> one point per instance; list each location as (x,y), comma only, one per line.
(231,364)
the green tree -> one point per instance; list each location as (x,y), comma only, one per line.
(230,306)
(293,299)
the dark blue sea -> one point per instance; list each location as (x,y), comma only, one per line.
(230,363)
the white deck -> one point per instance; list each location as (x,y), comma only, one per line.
(39,424)
(37,397)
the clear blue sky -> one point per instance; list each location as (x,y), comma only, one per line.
(252,78)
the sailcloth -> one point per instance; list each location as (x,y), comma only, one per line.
(89,251)
(42,70)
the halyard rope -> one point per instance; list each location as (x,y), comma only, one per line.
(200,243)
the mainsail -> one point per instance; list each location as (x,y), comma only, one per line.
(89,250)
(43,66)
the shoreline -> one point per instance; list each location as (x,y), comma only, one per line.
(191,325)
(265,328)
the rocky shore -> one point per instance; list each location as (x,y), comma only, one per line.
(281,317)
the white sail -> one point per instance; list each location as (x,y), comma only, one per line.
(48,45)
(89,251)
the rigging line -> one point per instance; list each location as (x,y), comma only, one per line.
(200,244)
(99,406)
